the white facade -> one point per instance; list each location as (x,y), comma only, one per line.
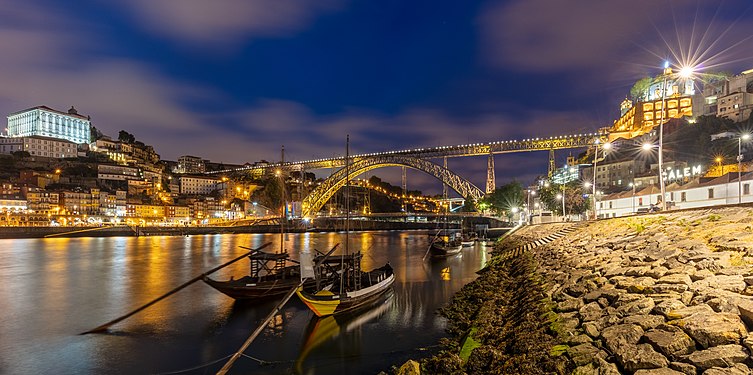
(196,185)
(39,146)
(47,122)
(721,191)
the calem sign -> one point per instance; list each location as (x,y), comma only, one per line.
(679,174)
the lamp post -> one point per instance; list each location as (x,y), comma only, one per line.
(632,198)
(562,196)
(528,205)
(606,147)
(666,73)
(685,72)
(739,165)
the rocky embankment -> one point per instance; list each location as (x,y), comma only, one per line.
(668,293)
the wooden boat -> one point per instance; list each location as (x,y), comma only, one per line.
(271,274)
(445,247)
(351,288)
(269,277)
(468,239)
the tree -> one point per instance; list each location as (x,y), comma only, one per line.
(504,198)
(640,87)
(576,198)
(126,137)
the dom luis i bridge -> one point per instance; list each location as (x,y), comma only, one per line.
(421,159)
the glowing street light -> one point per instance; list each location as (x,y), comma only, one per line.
(606,146)
(562,196)
(743,137)
(686,72)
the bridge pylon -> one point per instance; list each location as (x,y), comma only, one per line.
(552,164)
(491,182)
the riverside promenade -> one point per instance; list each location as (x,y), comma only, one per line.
(663,294)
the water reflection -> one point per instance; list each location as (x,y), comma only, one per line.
(321,331)
(54,289)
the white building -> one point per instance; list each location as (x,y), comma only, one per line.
(199,185)
(39,146)
(48,122)
(697,193)
(190,164)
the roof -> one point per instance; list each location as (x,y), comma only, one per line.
(48,109)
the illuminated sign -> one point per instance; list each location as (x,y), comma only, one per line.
(679,174)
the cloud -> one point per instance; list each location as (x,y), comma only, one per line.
(225,22)
(557,36)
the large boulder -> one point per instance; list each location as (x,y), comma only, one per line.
(590,312)
(737,369)
(658,371)
(718,356)
(685,312)
(621,336)
(733,283)
(641,356)
(583,354)
(711,329)
(670,341)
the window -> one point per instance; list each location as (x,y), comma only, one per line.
(672,196)
(682,197)
(711,193)
(610,204)
(640,201)
(746,189)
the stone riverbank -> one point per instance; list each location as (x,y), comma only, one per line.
(668,293)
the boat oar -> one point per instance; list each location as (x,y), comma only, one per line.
(258,330)
(104,327)
(319,263)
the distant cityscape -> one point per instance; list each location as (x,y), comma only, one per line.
(58,169)
(707,131)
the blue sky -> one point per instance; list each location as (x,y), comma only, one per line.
(233,80)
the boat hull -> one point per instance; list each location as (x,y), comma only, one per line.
(325,303)
(252,288)
(443,250)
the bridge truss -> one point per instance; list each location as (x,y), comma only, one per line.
(473,149)
(316,200)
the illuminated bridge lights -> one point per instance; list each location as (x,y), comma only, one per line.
(471,149)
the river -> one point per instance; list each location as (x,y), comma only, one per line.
(53,289)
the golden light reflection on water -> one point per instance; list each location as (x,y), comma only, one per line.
(56,288)
(445,274)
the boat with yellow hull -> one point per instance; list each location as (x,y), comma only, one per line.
(355,290)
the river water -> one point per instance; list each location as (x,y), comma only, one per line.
(53,289)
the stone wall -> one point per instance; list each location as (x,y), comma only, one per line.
(667,293)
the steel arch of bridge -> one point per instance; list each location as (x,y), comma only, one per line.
(316,200)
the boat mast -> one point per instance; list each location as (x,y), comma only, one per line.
(347,211)
(283,217)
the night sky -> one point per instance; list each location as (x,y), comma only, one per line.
(233,80)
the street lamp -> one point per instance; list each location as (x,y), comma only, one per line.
(685,72)
(562,196)
(606,147)
(718,161)
(739,165)
(528,205)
